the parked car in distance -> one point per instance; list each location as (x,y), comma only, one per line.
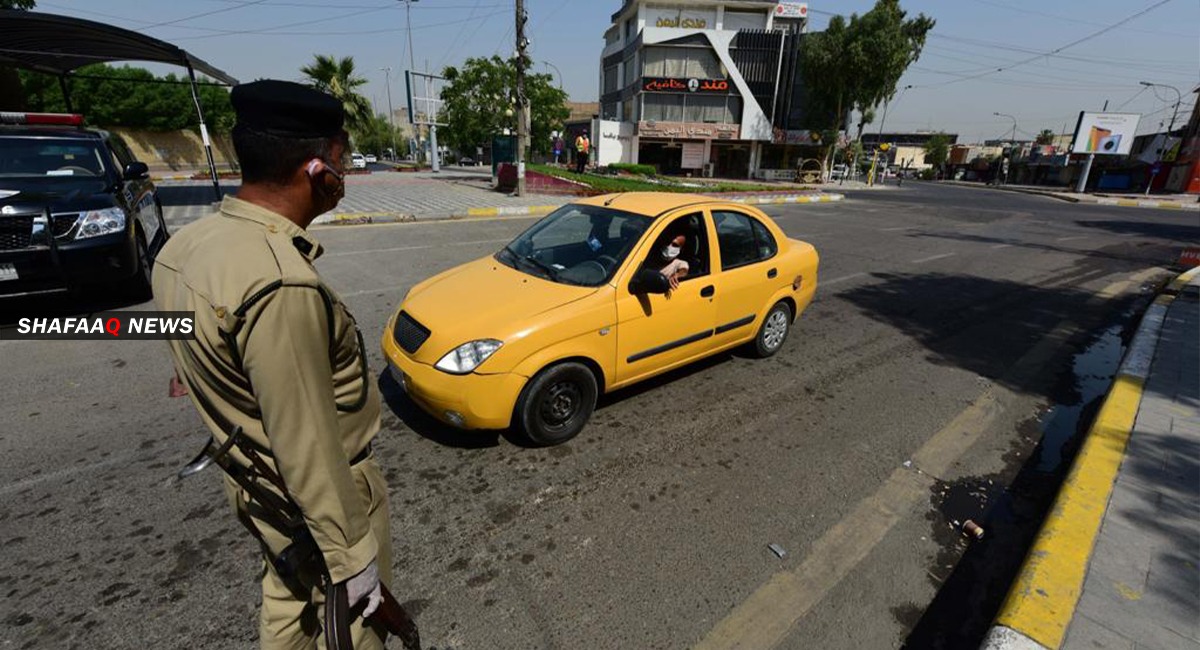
(577,306)
(370,158)
(358,161)
(76,208)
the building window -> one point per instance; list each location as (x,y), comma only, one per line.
(704,109)
(630,72)
(627,110)
(662,108)
(683,62)
(608,111)
(610,79)
(628,30)
(736,20)
(612,36)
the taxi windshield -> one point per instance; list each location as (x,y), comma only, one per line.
(24,157)
(576,244)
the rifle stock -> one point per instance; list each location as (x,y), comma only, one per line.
(396,620)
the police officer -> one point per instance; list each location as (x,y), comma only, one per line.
(278,354)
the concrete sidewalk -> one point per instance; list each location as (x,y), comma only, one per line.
(1117,562)
(1168,201)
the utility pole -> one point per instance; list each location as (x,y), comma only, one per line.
(415,140)
(387,75)
(522,100)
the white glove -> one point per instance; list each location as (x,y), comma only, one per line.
(365,585)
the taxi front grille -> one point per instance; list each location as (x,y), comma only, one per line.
(409,334)
(15,232)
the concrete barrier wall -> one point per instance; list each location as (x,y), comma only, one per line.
(178,150)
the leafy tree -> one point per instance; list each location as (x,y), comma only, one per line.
(1045,137)
(856,64)
(130,97)
(937,149)
(376,137)
(337,78)
(478,96)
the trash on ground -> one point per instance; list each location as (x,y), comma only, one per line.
(777,550)
(972,529)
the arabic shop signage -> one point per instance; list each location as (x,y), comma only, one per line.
(680,18)
(680,85)
(791,10)
(683,130)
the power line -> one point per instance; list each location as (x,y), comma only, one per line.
(1074,19)
(241,5)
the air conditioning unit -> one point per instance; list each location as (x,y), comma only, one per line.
(708,170)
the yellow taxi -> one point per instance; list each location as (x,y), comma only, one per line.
(598,295)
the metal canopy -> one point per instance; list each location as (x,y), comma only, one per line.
(59,44)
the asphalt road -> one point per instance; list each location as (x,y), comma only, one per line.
(946,325)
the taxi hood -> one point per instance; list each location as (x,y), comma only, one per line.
(483,299)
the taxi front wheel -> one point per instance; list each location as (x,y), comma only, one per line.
(556,404)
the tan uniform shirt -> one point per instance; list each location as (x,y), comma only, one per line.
(278,354)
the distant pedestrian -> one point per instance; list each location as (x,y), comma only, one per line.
(583,147)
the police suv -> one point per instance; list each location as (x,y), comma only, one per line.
(76,209)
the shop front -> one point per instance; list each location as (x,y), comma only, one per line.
(682,148)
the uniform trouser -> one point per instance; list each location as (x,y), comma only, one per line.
(292,609)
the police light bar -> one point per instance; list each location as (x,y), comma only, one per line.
(66,119)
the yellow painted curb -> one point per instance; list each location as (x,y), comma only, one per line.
(1184,278)
(511,211)
(1042,601)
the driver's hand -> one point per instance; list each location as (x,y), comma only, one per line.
(673,281)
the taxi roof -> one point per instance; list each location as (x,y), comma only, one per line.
(651,204)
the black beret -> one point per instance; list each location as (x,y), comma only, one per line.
(287,109)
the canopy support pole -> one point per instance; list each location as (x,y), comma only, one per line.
(66,91)
(212,166)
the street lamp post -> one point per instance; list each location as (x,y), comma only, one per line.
(879,136)
(412,64)
(556,70)
(1013,138)
(1174,113)
(387,76)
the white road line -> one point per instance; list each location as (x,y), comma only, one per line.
(934,257)
(895,229)
(417,248)
(1071,238)
(822,283)
(997,246)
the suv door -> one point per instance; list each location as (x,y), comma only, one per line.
(748,277)
(137,193)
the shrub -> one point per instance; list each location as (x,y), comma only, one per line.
(928,174)
(641,170)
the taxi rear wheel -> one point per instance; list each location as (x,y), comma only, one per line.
(773,331)
(557,403)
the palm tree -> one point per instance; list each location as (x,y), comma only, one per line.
(337,78)
(1045,137)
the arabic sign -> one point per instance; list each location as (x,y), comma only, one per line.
(791,10)
(689,130)
(679,85)
(681,18)
(795,136)
(1105,133)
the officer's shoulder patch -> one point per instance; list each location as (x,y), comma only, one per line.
(303,245)
(294,267)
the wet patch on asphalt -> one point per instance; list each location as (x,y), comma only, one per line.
(973,574)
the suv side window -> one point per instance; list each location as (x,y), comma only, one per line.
(743,239)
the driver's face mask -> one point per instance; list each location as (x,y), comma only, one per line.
(671,252)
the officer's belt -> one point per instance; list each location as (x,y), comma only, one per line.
(266,453)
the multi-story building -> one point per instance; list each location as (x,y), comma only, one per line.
(702,86)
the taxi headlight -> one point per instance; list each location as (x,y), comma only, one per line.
(466,357)
(94,223)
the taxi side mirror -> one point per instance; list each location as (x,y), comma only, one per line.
(649,281)
(136,170)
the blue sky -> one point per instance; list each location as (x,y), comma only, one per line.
(272,38)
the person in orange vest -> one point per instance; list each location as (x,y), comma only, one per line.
(582,148)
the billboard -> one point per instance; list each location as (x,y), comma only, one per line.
(1105,133)
(791,10)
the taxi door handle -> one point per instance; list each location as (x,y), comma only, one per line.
(772,273)
(708,291)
